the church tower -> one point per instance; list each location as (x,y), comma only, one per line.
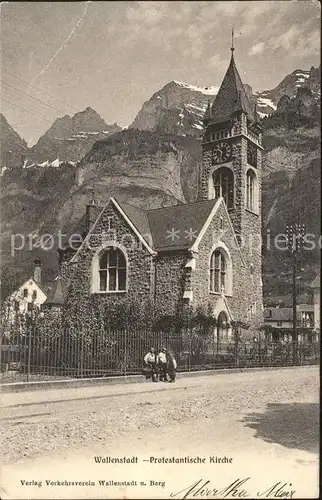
(232,163)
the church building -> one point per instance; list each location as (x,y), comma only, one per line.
(202,253)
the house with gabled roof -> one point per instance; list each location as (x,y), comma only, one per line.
(28,295)
(203,253)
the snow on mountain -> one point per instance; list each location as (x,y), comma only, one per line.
(71,137)
(179,107)
(204,90)
(176,108)
(268,99)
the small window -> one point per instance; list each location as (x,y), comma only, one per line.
(34,294)
(280,323)
(251,191)
(16,305)
(25,292)
(109,222)
(221,223)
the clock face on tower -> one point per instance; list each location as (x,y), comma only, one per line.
(221,153)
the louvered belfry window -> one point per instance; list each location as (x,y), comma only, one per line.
(250,190)
(224,185)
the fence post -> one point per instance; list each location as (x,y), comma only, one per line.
(29,354)
(82,356)
(125,351)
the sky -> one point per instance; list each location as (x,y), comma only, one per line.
(60,57)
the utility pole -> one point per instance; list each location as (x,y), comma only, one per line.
(295,234)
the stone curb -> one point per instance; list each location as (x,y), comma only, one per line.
(130,379)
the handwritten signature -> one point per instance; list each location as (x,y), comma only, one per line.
(236,489)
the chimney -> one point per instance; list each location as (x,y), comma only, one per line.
(37,271)
(90,213)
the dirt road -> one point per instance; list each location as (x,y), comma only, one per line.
(263,426)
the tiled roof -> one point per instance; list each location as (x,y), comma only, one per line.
(316,282)
(169,228)
(278,314)
(231,97)
(177,227)
(139,218)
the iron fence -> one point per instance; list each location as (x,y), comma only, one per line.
(33,355)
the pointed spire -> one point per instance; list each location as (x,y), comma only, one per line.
(231,96)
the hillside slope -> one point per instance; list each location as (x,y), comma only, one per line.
(12,146)
(156,162)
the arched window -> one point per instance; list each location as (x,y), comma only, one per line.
(224,185)
(223,325)
(251,191)
(218,270)
(112,270)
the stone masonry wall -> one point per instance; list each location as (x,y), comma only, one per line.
(238,302)
(140,277)
(170,281)
(247,225)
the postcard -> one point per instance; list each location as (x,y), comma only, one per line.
(160,292)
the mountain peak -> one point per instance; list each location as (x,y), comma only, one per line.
(12,146)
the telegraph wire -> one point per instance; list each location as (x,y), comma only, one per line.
(32,97)
(38,116)
(33,113)
(42,91)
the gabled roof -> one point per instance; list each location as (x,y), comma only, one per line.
(139,218)
(316,282)
(136,214)
(231,97)
(177,227)
(57,294)
(42,288)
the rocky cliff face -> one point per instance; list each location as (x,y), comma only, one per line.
(291,191)
(176,108)
(303,104)
(12,146)
(156,162)
(144,168)
(268,99)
